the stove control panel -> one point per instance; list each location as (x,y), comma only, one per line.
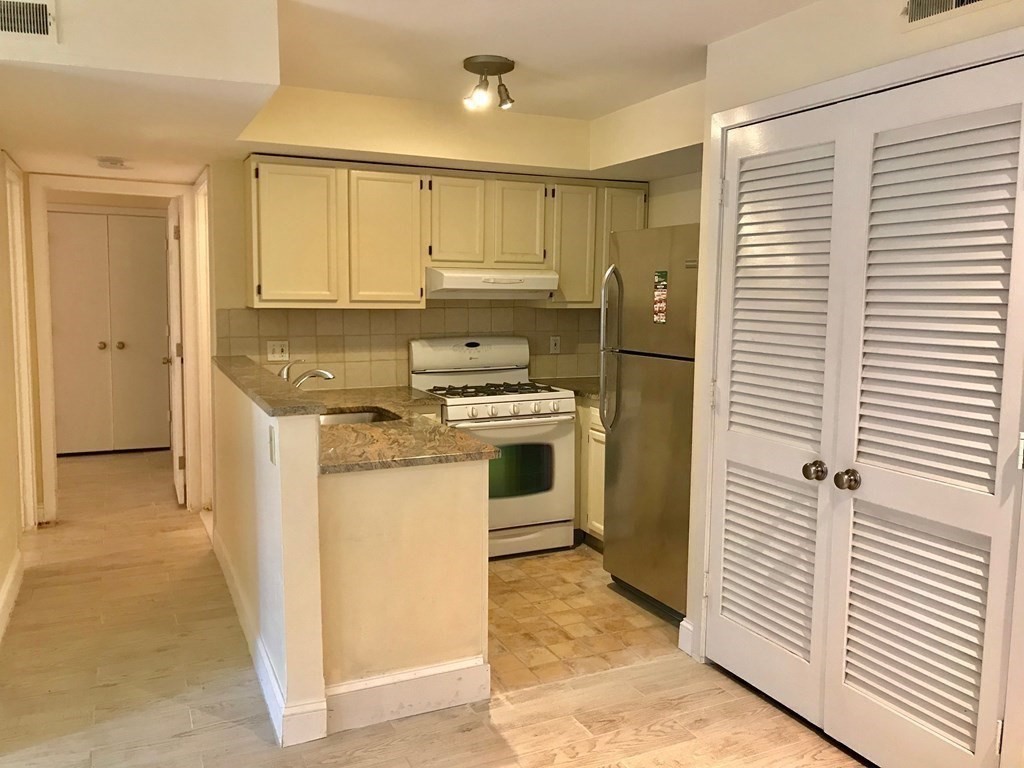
(520,409)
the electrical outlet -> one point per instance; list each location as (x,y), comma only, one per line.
(277,351)
(555,346)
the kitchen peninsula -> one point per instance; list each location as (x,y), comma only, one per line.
(356,553)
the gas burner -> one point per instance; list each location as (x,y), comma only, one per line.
(492,390)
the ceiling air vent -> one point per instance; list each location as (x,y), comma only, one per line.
(23,18)
(918,10)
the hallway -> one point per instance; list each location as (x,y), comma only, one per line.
(124,650)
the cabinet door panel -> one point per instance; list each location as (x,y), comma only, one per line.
(80,301)
(623,210)
(298,233)
(457,220)
(595,483)
(518,222)
(386,244)
(574,242)
(138,321)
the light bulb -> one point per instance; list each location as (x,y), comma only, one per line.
(504,100)
(481,93)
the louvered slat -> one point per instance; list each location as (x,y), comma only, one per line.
(916,622)
(781,294)
(768,557)
(941,231)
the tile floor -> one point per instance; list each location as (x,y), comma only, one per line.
(559,615)
(124,652)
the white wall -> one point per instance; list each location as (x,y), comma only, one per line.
(232,40)
(832,38)
(10,500)
(675,200)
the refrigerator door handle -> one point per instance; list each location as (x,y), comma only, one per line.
(612,271)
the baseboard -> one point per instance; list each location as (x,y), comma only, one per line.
(686,637)
(9,591)
(410,692)
(294,724)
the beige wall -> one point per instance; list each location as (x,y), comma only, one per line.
(227,232)
(675,200)
(832,38)
(10,497)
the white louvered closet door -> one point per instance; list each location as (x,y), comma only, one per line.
(930,411)
(776,406)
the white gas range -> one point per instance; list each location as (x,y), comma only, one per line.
(487,390)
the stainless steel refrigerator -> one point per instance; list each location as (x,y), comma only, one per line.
(648,321)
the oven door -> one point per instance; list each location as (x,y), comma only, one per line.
(533,480)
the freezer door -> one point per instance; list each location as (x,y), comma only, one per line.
(654,310)
(647,475)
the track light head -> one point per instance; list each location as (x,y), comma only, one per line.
(505,101)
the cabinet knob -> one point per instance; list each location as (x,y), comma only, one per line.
(815,470)
(120,345)
(847,480)
(101,345)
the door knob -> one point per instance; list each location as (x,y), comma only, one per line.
(847,480)
(120,345)
(815,470)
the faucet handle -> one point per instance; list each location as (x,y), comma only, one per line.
(286,369)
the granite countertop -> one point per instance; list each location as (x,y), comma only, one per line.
(411,439)
(584,386)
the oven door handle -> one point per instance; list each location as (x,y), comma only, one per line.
(540,421)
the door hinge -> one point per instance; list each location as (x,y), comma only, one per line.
(430,250)
(714,395)
(999,736)
(724,195)
(707,584)
(177,232)
(259,289)
(1020,451)
(181,462)
(177,349)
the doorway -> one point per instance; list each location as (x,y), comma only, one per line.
(109,290)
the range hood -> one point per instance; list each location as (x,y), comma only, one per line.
(448,283)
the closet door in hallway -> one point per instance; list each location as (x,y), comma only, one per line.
(109,305)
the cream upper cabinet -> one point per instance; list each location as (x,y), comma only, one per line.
(518,222)
(295,233)
(622,210)
(573,241)
(385,239)
(457,220)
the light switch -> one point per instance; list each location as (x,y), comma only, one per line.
(555,345)
(277,351)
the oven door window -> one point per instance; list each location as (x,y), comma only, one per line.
(523,470)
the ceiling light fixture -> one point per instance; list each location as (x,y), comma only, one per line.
(488,66)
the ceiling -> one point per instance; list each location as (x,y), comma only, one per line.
(574,58)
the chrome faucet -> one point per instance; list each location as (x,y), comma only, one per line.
(286,369)
(316,373)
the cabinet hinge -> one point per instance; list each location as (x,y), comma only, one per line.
(430,185)
(177,232)
(545,253)
(553,191)
(181,462)
(259,289)
(545,191)
(421,183)
(421,292)
(430,250)
(257,171)
(178,350)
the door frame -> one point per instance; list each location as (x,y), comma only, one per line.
(196,324)
(15,178)
(985,50)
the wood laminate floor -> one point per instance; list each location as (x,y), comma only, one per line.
(124,650)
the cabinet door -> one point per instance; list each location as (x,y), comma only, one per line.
(595,483)
(297,231)
(457,220)
(622,210)
(386,243)
(518,216)
(573,242)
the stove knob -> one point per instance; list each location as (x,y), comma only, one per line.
(555,406)
(535,407)
(493,410)
(515,409)
(472,412)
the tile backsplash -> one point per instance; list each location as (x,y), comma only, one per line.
(370,348)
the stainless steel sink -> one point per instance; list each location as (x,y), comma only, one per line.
(357,417)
